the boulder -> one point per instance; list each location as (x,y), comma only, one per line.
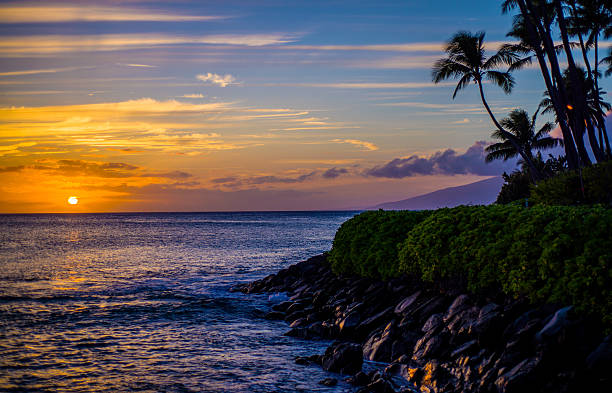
(559,321)
(379,345)
(407,302)
(343,358)
(520,378)
(433,323)
(461,303)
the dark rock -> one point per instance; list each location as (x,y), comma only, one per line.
(465,348)
(379,345)
(349,323)
(342,357)
(520,378)
(433,323)
(275,315)
(461,303)
(378,386)
(558,322)
(299,322)
(599,363)
(375,321)
(328,382)
(282,307)
(429,346)
(407,302)
(359,379)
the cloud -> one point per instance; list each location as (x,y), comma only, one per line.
(334,172)
(40,45)
(462,121)
(89,13)
(42,71)
(5,169)
(192,96)
(137,65)
(169,175)
(258,180)
(217,79)
(447,162)
(366,85)
(365,145)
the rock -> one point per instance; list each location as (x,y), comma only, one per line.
(429,346)
(282,307)
(375,321)
(378,386)
(461,322)
(519,378)
(359,379)
(342,357)
(433,323)
(349,323)
(378,347)
(407,302)
(461,303)
(299,322)
(599,362)
(557,323)
(275,315)
(465,348)
(411,373)
(328,382)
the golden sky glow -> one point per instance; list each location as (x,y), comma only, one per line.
(195,106)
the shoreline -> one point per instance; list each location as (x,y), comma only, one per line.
(436,338)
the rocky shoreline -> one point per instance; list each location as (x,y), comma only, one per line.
(437,339)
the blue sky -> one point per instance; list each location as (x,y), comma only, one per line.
(114,101)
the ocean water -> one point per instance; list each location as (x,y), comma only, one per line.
(141,302)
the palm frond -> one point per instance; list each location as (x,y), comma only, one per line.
(501,79)
(463,82)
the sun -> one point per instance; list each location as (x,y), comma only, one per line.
(73,200)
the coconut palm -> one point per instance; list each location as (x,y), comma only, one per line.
(467,61)
(524,129)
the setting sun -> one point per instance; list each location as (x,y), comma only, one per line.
(73,200)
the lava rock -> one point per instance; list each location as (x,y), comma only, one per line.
(343,358)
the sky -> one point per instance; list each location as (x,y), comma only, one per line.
(240,105)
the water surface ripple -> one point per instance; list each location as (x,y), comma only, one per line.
(140,302)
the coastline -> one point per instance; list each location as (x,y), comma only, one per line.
(437,338)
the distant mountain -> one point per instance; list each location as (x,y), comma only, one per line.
(481,192)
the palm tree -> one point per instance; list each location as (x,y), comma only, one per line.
(467,61)
(524,129)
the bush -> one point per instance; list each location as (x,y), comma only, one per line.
(559,254)
(515,187)
(547,254)
(565,188)
(367,243)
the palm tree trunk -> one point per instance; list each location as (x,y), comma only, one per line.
(577,87)
(535,174)
(599,156)
(570,148)
(601,121)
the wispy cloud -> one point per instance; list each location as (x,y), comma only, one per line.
(137,65)
(216,79)
(40,45)
(363,144)
(192,96)
(365,85)
(42,71)
(89,13)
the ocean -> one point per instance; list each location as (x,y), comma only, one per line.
(141,302)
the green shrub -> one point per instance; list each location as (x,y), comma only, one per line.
(367,243)
(550,254)
(565,188)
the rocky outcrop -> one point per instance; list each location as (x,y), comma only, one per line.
(436,339)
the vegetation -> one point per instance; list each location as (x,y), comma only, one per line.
(591,185)
(555,254)
(366,244)
(523,128)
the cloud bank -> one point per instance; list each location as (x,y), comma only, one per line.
(446,162)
